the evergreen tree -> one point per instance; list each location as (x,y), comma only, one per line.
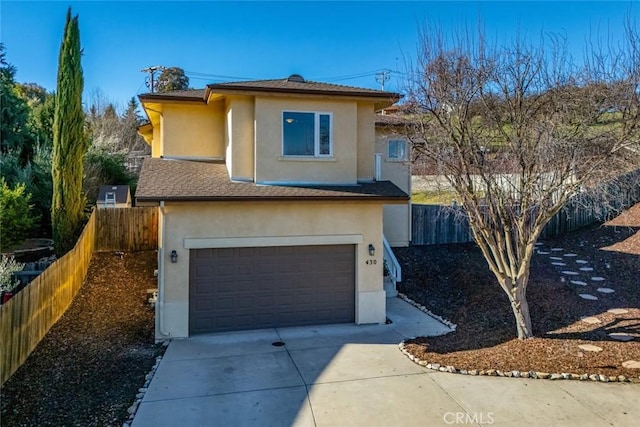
(69,142)
(172,78)
(15,136)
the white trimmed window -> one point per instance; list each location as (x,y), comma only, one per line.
(397,149)
(308,134)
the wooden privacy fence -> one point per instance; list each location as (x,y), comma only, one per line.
(28,316)
(126,229)
(435,224)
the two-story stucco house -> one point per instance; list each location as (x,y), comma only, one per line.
(270,213)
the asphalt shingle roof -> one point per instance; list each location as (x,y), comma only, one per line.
(287,85)
(180,180)
(308,87)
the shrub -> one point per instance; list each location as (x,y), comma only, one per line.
(17,219)
(8,265)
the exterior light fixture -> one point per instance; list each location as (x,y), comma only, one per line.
(372,250)
(289,120)
(174,256)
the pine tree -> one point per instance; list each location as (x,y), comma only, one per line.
(69,142)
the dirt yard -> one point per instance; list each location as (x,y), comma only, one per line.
(454,282)
(88,368)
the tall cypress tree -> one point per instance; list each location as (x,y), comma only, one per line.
(69,142)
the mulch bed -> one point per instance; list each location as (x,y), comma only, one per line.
(455,282)
(88,368)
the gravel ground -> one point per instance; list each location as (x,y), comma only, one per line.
(454,282)
(88,368)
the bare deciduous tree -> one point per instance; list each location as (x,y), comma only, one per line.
(518,130)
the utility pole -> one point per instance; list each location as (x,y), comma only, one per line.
(382,77)
(151,81)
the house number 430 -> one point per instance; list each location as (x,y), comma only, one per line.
(371,262)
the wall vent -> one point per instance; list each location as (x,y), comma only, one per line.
(297,78)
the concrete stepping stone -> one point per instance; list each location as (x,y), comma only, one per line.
(571,255)
(539,244)
(586,269)
(621,336)
(589,347)
(598,279)
(579,282)
(591,320)
(631,364)
(561,264)
(582,261)
(557,249)
(605,290)
(618,311)
(556,258)
(543,253)
(588,297)
(569,273)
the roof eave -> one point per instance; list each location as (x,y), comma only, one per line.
(381,199)
(229,89)
(170,98)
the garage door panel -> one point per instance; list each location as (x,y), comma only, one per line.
(250,288)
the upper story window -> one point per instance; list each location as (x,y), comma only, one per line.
(397,149)
(307,134)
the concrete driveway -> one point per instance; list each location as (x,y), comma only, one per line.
(355,375)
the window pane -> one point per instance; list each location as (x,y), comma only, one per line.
(397,149)
(325,134)
(298,134)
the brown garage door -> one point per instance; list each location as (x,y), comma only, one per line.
(249,288)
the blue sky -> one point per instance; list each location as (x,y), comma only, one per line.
(341,42)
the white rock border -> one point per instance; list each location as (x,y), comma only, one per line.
(141,392)
(512,374)
(495,372)
(424,309)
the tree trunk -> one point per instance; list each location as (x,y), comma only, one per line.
(520,308)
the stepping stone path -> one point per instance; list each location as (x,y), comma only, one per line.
(561,264)
(621,336)
(555,258)
(618,311)
(586,269)
(591,320)
(598,279)
(570,273)
(605,290)
(631,364)
(589,347)
(589,297)
(579,282)
(557,249)
(543,252)
(581,261)
(571,255)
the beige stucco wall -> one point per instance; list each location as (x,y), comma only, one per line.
(271,166)
(240,137)
(193,130)
(366,137)
(397,218)
(292,223)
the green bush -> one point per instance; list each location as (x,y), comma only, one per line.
(17,219)
(8,265)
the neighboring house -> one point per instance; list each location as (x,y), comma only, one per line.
(114,196)
(269,212)
(394,164)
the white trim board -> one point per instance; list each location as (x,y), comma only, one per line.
(250,242)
